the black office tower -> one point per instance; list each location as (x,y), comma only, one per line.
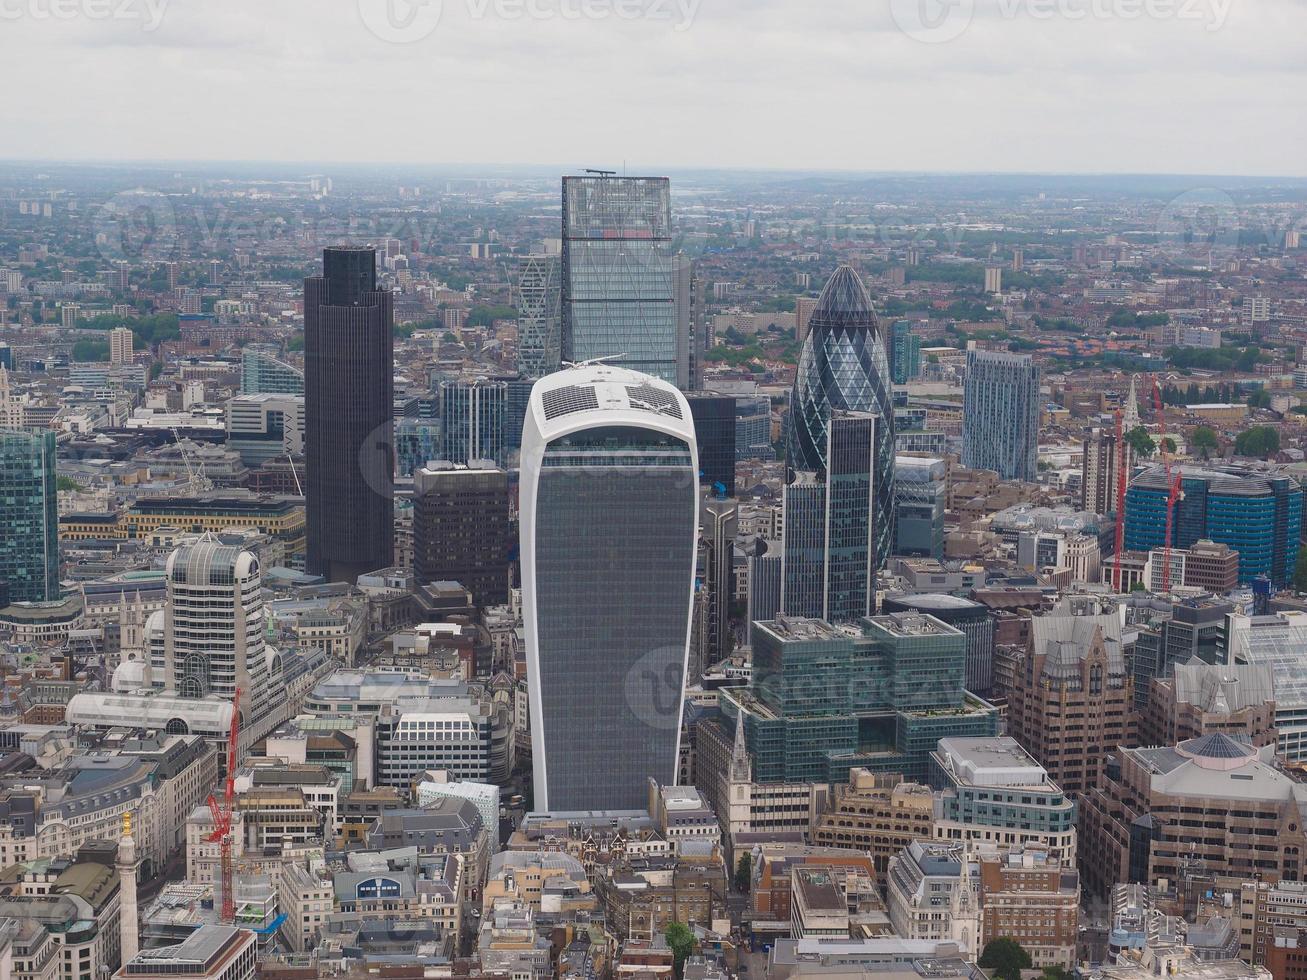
(461,528)
(714,429)
(348,395)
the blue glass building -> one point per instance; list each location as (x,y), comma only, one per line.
(844,365)
(29,515)
(1257,514)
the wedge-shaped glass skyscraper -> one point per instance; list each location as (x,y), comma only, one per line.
(609,526)
(844,365)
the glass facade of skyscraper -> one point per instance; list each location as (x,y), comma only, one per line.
(1000,418)
(609,522)
(473,418)
(844,366)
(537,297)
(1258,515)
(618,277)
(29,514)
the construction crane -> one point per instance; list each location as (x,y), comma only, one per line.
(222,813)
(197,482)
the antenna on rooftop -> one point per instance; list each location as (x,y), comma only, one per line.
(601,173)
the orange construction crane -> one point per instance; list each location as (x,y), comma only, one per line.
(222,813)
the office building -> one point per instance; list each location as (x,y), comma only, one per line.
(618,280)
(263,373)
(120,346)
(844,366)
(1071,701)
(920,504)
(609,529)
(1000,419)
(990,790)
(1195,630)
(972,618)
(1199,699)
(715,431)
(1139,823)
(931,889)
(265,427)
(877,814)
(829,537)
(1033,898)
(29,514)
(1258,515)
(905,353)
(823,700)
(1100,471)
(461,528)
(348,404)
(1278,642)
(538,297)
(720,521)
(211,952)
(473,416)
(753,428)
(214,632)
(1211,567)
(691,335)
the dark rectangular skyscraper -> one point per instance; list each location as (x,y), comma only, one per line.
(348,401)
(460,528)
(29,560)
(714,428)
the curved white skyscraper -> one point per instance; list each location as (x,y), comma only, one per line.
(609,526)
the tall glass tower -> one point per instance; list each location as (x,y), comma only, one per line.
(348,416)
(619,291)
(1000,417)
(539,326)
(472,420)
(844,365)
(609,529)
(29,514)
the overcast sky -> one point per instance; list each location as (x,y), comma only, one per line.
(1174,86)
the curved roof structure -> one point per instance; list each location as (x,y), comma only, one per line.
(598,393)
(1229,481)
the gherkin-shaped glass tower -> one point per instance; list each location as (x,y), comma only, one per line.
(845,365)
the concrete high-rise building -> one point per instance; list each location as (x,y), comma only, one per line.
(29,514)
(804,307)
(690,339)
(120,346)
(618,277)
(844,366)
(830,534)
(1072,698)
(609,529)
(1100,471)
(460,528)
(473,418)
(215,629)
(538,297)
(994,279)
(348,406)
(1000,419)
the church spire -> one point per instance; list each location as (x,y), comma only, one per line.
(740,768)
(1130,420)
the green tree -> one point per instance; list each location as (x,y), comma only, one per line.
(1261,398)
(681,941)
(1261,442)
(1141,442)
(744,868)
(66,483)
(90,350)
(1005,958)
(1168,444)
(1203,440)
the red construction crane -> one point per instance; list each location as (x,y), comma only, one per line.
(222,812)
(1175,496)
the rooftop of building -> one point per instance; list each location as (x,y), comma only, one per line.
(996,761)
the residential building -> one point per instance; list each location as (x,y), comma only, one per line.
(1000,425)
